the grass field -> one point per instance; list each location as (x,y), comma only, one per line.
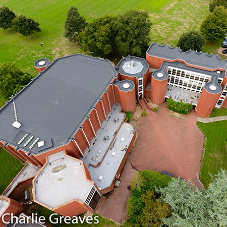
(103,222)
(218,112)
(215,156)
(9,168)
(170,19)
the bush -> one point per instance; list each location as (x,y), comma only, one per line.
(143,186)
(179,107)
(144,113)
(155,109)
(128,116)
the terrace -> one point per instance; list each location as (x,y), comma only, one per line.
(107,150)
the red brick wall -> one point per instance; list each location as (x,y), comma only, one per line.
(72,208)
(94,120)
(88,130)
(40,69)
(128,100)
(100,111)
(14,207)
(158,90)
(17,192)
(206,103)
(146,79)
(156,62)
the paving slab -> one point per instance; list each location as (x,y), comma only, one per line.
(115,204)
(168,143)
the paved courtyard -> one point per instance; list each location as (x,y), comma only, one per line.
(163,143)
(168,143)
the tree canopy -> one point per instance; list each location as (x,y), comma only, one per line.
(214,26)
(215,3)
(128,34)
(97,37)
(12,79)
(6,17)
(191,207)
(74,24)
(143,207)
(132,32)
(192,40)
(25,26)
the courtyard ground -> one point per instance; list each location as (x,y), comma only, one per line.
(168,143)
(164,142)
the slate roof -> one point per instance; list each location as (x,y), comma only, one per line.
(191,56)
(54,105)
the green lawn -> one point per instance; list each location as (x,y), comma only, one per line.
(103,222)
(9,168)
(215,156)
(170,19)
(218,112)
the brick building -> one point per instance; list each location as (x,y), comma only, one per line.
(69,119)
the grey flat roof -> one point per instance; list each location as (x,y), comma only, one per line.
(128,59)
(109,153)
(61,180)
(54,105)
(191,57)
(3,204)
(121,85)
(27,172)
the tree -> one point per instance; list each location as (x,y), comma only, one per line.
(132,32)
(153,210)
(6,17)
(143,206)
(25,26)
(191,40)
(74,24)
(215,3)
(214,26)
(97,37)
(191,207)
(12,79)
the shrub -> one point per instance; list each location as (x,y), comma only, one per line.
(179,107)
(144,113)
(143,186)
(128,116)
(155,109)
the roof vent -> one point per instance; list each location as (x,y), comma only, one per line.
(41,143)
(106,138)
(42,63)
(16,124)
(160,75)
(113,153)
(126,85)
(122,139)
(213,87)
(132,64)
(116,120)
(100,177)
